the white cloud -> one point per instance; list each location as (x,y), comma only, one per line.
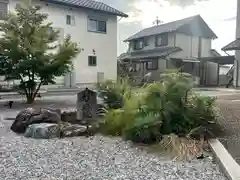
(219,14)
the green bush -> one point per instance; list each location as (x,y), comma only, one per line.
(112,92)
(113,124)
(165,107)
(116,120)
(144,129)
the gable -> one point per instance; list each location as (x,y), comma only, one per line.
(197,27)
(194,25)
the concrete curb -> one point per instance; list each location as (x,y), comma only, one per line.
(229,166)
(15,93)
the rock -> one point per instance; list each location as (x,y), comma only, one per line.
(21,122)
(46,116)
(30,116)
(69,115)
(72,130)
(43,131)
(48,130)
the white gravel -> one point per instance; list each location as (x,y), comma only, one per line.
(96,158)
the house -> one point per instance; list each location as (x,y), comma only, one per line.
(93,24)
(234,46)
(185,43)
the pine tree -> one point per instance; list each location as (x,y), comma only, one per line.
(29,52)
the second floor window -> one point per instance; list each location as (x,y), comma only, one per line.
(70,20)
(138,44)
(3,10)
(97,26)
(162,40)
(146,41)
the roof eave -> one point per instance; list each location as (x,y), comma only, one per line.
(76,6)
(231,46)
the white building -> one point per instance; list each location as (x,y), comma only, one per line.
(92,24)
(183,43)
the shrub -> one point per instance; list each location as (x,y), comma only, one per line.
(113,124)
(165,107)
(112,93)
(116,120)
(144,129)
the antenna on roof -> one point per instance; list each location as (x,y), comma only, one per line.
(157,21)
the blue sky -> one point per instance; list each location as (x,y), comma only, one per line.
(219,14)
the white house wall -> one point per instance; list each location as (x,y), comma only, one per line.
(152,43)
(189,46)
(104,45)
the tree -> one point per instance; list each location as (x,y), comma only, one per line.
(29,50)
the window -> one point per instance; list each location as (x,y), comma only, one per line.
(152,65)
(138,44)
(70,20)
(97,26)
(146,41)
(92,61)
(162,40)
(136,67)
(3,10)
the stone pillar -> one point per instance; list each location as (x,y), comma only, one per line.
(73,79)
(236,76)
(70,80)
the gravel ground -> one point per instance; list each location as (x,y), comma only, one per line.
(95,158)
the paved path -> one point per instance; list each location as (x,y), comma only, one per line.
(229,106)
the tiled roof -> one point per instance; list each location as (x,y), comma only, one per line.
(89,4)
(215,53)
(235,45)
(198,25)
(157,52)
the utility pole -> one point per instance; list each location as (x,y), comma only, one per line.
(157,21)
(236,76)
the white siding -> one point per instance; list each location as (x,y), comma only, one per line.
(206,47)
(152,43)
(189,45)
(104,45)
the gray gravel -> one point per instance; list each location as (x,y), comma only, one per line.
(95,158)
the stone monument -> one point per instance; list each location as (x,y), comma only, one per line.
(86,105)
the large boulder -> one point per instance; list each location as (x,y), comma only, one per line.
(48,130)
(42,131)
(30,116)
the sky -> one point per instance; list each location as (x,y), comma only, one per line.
(220,15)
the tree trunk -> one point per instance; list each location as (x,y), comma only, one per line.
(30,99)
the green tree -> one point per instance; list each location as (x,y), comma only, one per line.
(30,50)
